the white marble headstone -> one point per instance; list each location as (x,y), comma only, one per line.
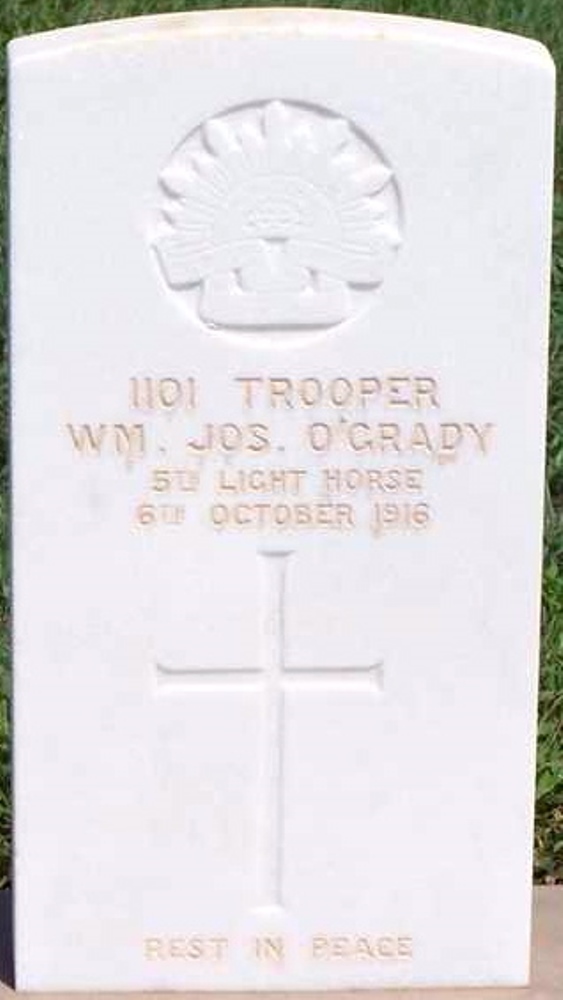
(279,290)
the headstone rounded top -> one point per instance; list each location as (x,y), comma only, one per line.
(161,28)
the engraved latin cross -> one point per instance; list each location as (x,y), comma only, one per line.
(273,677)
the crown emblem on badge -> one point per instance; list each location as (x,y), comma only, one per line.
(276,215)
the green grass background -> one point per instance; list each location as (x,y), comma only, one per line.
(542,19)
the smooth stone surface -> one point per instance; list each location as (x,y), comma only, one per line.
(279,298)
(546,976)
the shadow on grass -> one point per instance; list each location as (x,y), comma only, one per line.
(6,940)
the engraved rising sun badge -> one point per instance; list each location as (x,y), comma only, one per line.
(276,215)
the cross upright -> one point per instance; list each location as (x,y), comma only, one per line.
(273,677)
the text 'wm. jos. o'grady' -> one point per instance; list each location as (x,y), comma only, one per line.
(285,454)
